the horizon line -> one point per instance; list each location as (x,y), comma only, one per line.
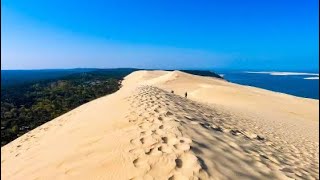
(208,69)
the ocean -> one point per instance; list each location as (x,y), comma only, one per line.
(304,84)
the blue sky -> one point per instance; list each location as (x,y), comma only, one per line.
(264,34)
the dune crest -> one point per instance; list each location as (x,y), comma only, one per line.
(143,131)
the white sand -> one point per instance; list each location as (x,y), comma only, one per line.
(143,131)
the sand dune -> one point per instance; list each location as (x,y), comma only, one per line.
(143,131)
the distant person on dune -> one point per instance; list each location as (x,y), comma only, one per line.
(185,95)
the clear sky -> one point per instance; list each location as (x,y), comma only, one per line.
(234,34)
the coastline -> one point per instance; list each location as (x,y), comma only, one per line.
(277,92)
(297,85)
(145,131)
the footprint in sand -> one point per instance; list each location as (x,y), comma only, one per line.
(168,113)
(182,146)
(143,133)
(154,152)
(144,126)
(141,163)
(165,148)
(188,165)
(164,139)
(135,141)
(147,141)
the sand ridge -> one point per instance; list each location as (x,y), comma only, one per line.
(143,131)
(222,147)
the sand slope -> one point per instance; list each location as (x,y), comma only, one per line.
(222,131)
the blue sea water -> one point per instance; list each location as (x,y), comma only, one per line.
(289,84)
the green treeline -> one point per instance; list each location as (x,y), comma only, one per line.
(25,107)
